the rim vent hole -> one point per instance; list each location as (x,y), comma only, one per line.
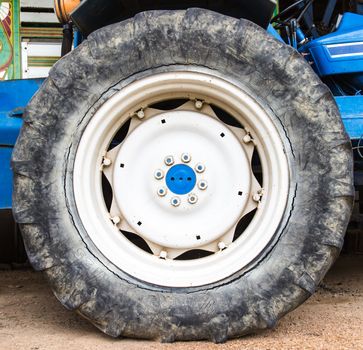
(240,193)
(197,237)
(222,134)
(163,121)
(139,223)
(122,165)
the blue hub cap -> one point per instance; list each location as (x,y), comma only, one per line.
(180,179)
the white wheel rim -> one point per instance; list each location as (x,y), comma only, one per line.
(137,207)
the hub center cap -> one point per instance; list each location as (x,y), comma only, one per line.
(180,179)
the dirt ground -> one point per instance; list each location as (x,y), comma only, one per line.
(31,318)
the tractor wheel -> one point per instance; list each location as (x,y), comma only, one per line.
(182,175)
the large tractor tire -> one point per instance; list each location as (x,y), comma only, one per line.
(182,175)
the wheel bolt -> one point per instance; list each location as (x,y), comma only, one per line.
(221,246)
(199,168)
(162,191)
(169,160)
(140,114)
(202,184)
(198,104)
(159,174)
(115,220)
(175,201)
(163,254)
(256,197)
(185,157)
(247,138)
(192,198)
(106,161)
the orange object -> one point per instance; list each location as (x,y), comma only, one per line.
(63,8)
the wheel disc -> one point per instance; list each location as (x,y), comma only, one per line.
(194,219)
(182,179)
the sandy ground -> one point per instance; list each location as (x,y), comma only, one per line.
(31,318)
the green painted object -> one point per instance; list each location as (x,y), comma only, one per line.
(10,59)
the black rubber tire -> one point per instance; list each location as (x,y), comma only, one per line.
(317,146)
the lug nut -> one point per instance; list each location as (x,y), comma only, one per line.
(185,157)
(140,114)
(198,104)
(256,197)
(159,174)
(202,184)
(162,191)
(169,160)
(199,168)
(192,198)
(175,201)
(221,246)
(106,161)
(163,254)
(115,220)
(247,138)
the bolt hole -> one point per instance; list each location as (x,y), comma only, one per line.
(172,179)
(197,237)
(122,165)
(240,193)
(163,121)
(139,223)
(222,134)
(180,178)
(189,179)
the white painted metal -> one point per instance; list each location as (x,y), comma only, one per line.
(160,268)
(227,236)
(38,17)
(37,3)
(41,49)
(37,49)
(35,72)
(228,173)
(24,59)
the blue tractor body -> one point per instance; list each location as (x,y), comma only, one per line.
(340,52)
(338,59)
